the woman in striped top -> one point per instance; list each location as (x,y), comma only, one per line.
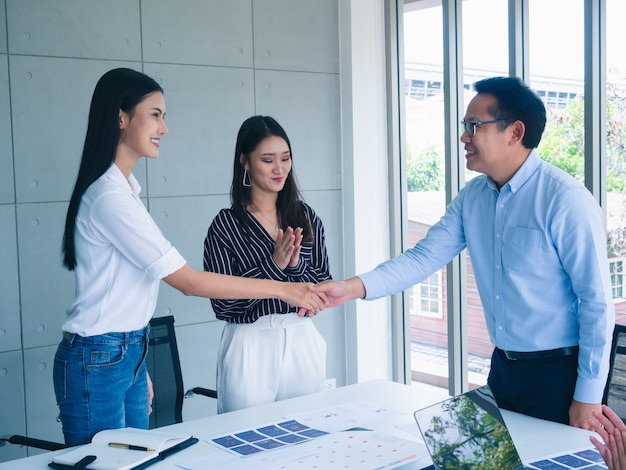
(267,351)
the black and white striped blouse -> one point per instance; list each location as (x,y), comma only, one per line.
(228,249)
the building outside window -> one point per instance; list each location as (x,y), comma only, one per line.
(616,267)
(427,298)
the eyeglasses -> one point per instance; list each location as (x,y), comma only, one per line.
(470,126)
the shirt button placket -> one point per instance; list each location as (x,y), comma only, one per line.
(497,256)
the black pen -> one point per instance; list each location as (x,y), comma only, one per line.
(119,445)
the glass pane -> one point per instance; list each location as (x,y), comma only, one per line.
(424,126)
(616,153)
(423,48)
(485,54)
(556,33)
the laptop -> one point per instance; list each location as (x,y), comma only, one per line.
(468,432)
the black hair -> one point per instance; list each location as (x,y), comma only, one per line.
(516,101)
(254,130)
(118,89)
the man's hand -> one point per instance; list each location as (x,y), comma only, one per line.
(580,413)
(339,292)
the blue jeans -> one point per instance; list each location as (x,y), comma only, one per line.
(100,383)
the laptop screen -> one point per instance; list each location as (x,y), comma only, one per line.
(468,432)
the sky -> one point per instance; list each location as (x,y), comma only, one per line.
(556,36)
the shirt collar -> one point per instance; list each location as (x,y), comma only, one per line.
(116,174)
(522,175)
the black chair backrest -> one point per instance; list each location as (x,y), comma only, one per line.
(163,365)
(615,390)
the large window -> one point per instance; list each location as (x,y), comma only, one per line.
(554,66)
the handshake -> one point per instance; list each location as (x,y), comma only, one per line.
(313,298)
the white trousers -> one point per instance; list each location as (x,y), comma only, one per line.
(277,357)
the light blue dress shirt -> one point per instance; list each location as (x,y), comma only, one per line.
(539,255)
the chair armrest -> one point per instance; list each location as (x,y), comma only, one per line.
(201,391)
(31,442)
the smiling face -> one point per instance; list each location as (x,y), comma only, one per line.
(269,165)
(492,151)
(141,130)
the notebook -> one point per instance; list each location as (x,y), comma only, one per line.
(123,449)
(468,432)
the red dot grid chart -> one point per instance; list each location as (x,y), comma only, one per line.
(354,450)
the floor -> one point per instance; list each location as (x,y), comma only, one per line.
(434,361)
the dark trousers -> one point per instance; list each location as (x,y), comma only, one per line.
(542,388)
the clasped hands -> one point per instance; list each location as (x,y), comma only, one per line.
(331,294)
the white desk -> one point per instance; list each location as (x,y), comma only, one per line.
(533,438)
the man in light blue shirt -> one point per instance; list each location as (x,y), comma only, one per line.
(537,244)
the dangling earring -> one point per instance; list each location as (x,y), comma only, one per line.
(246,178)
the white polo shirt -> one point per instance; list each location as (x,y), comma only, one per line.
(121,257)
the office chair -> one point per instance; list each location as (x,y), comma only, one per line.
(615,390)
(163,363)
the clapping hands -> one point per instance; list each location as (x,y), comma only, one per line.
(287,248)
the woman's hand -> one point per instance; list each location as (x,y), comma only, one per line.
(612,430)
(299,294)
(297,243)
(287,248)
(150,393)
